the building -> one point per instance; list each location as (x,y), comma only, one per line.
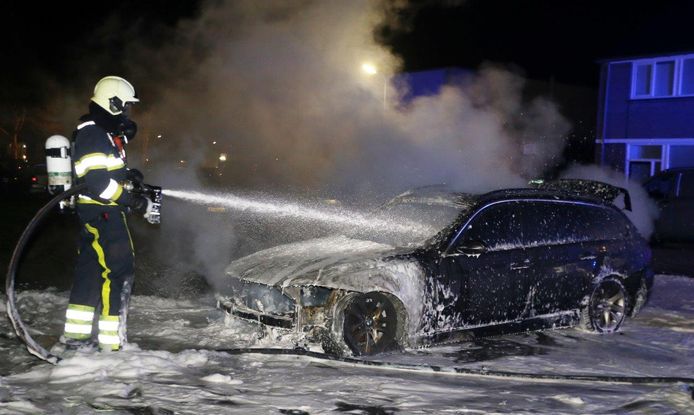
(646,114)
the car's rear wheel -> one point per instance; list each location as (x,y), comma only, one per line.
(369,324)
(606,309)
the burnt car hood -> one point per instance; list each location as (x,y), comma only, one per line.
(336,262)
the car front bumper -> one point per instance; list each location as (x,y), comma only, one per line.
(286,321)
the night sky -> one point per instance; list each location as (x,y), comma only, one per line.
(45,44)
(543,37)
(53,39)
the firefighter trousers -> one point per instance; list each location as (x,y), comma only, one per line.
(103,280)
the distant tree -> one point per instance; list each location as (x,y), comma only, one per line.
(17,122)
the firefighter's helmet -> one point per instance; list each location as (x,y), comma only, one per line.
(113,93)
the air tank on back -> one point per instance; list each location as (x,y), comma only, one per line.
(58,164)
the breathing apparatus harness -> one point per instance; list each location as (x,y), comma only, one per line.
(61,176)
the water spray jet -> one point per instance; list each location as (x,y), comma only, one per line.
(336,217)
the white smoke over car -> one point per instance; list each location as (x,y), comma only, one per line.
(279,84)
(644,210)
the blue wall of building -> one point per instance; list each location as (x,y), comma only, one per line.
(430,82)
(643,118)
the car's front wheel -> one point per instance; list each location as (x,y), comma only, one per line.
(606,308)
(368,323)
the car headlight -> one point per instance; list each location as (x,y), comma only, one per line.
(261,297)
(312,296)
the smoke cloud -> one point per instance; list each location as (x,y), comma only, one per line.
(278,88)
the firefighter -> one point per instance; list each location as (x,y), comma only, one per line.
(105,266)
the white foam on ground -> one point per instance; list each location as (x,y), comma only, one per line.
(164,369)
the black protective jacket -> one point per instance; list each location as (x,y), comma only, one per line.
(100,162)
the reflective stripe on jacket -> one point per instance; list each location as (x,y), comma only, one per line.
(99,164)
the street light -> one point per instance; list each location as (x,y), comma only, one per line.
(370,69)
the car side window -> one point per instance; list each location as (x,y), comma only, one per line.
(615,225)
(598,222)
(550,223)
(686,188)
(496,226)
(602,223)
(557,223)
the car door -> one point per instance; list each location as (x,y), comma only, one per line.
(487,258)
(576,240)
(556,242)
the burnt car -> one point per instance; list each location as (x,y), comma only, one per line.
(522,259)
(673,192)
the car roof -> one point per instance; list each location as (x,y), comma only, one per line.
(574,190)
(539,194)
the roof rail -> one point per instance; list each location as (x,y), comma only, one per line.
(587,188)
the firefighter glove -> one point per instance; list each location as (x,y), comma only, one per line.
(140,204)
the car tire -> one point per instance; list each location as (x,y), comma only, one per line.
(606,307)
(367,324)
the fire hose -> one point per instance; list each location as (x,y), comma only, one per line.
(19,327)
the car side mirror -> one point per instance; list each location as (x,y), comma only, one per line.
(471,248)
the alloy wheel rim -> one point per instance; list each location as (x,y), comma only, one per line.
(608,307)
(367,326)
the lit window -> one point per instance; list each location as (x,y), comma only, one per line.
(664,78)
(654,78)
(642,80)
(643,161)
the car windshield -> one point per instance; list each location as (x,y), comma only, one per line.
(434,215)
(428,213)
